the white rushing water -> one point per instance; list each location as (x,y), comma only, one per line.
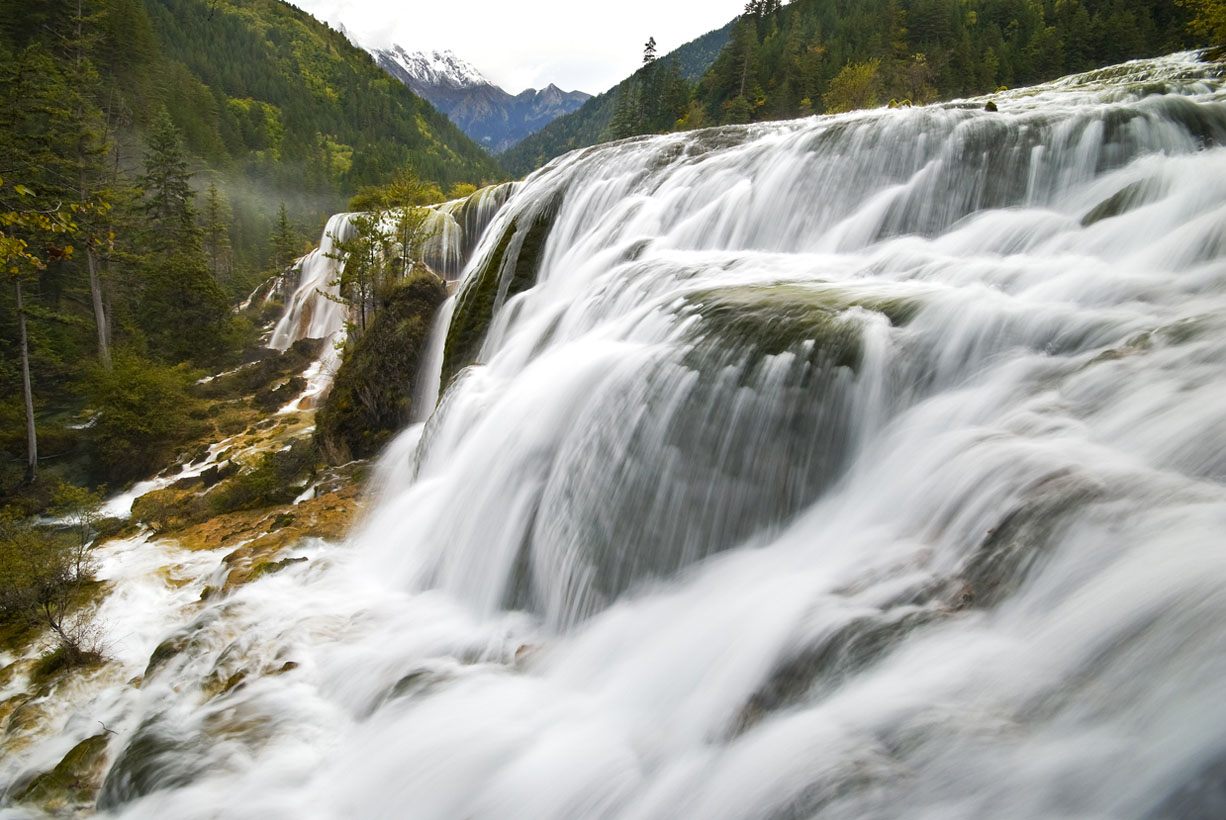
(866,466)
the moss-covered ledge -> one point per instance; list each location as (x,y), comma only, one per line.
(371,398)
(512,267)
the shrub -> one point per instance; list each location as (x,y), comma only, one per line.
(41,576)
(143,415)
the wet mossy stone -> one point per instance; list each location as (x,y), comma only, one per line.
(371,397)
(157,757)
(269,399)
(822,667)
(478,208)
(768,320)
(1121,202)
(74,781)
(258,376)
(1011,549)
(512,267)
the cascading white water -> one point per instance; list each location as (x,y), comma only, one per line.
(316,311)
(456,226)
(861,466)
(310,314)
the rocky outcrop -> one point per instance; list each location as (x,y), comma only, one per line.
(371,398)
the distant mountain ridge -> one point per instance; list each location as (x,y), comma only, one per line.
(590,123)
(485,112)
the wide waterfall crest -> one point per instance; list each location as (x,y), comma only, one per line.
(865,466)
(719,320)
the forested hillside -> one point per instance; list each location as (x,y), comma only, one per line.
(824,56)
(292,102)
(815,56)
(157,159)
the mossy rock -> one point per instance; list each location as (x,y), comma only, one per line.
(274,397)
(823,666)
(75,780)
(275,478)
(62,659)
(371,396)
(174,645)
(512,267)
(28,714)
(261,375)
(736,468)
(769,320)
(271,567)
(1122,201)
(1008,552)
(168,509)
(159,756)
(327,516)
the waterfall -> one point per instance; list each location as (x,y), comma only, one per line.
(455,227)
(315,310)
(863,466)
(311,314)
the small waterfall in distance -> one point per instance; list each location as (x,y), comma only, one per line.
(866,466)
(315,310)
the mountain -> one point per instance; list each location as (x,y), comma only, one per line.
(282,108)
(486,113)
(592,122)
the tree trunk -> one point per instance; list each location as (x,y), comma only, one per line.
(95,293)
(31,435)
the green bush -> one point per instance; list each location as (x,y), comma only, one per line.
(143,414)
(41,576)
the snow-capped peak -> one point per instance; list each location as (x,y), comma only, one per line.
(436,68)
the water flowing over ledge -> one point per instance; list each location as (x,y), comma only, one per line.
(860,466)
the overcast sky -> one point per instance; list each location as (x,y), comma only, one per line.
(575,44)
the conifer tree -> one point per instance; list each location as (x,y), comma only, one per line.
(625,115)
(284,245)
(217,219)
(183,308)
(37,139)
(168,190)
(1208,19)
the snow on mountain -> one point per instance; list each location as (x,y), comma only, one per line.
(440,69)
(487,113)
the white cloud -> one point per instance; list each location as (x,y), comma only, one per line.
(531,43)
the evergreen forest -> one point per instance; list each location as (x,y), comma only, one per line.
(158,160)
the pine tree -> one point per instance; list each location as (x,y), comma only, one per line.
(284,245)
(365,254)
(168,190)
(182,307)
(37,140)
(217,246)
(92,148)
(30,239)
(625,115)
